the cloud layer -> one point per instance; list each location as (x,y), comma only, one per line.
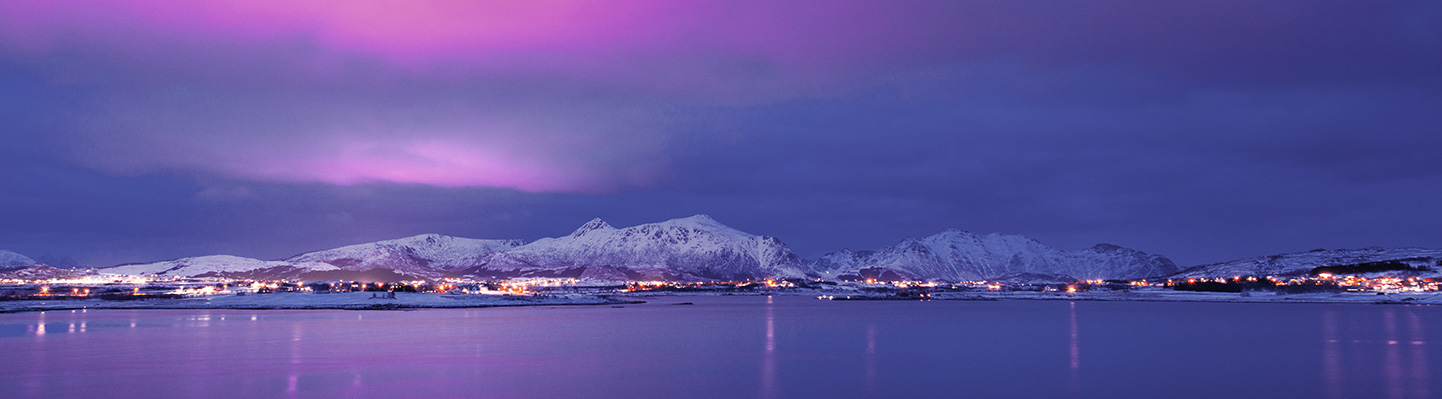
(1204,130)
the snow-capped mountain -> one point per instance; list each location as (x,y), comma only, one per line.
(426,255)
(221,266)
(692,248)
(956,255)
(422,256)
(1303,262)
(11,260)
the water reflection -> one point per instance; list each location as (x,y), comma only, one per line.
(1418,352)
(871,359)
(292,380)
(770,326)
(768,358)
(1392,356)
(1331,355)
(1075,352)
(1404,367)
(999,349)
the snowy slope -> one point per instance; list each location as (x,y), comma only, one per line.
(1303,262)
(692,248)
(956,255)
(1107,261)
(220,266)
(10,260)
(842,261)
(428,255)
(39,272)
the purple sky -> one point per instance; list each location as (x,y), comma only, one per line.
(1204,130)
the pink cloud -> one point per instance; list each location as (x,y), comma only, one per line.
(555,71)
(430,162)
(586,39)
(436,159)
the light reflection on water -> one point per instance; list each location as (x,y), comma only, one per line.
(1074,350)
(802,347)
(1331,355)
(870,386)
(768,356)
(1419,369)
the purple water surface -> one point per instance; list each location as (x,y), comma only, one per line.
(734,347)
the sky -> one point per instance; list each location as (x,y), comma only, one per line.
(1207,130)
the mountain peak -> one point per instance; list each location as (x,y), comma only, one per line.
(10,259)
(593,225)
(697,220)
(428,238)
(1105,247)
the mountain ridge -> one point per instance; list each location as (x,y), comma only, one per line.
(959,255)
(1295,263)
(699,248)
(13,260)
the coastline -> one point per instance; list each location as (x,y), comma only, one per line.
(311,301)
(411,301)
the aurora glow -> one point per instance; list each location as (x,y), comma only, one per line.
(1206,130)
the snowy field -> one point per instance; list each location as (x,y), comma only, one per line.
(406,300)
(1430,298)
(1148,295)
(297,300)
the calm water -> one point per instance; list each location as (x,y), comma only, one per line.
(735,347)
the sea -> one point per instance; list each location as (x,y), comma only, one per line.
(734,347)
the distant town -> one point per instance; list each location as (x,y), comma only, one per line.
(123,290)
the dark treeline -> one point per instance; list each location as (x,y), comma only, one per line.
(1372,267)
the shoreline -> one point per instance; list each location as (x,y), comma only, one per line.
(310,301)
(415,301)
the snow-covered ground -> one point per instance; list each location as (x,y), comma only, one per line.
(1429,298)
(1154,295)
(406,300)
(300,300)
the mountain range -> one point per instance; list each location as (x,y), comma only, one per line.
(956,255)
(698,248)
(1421,261)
